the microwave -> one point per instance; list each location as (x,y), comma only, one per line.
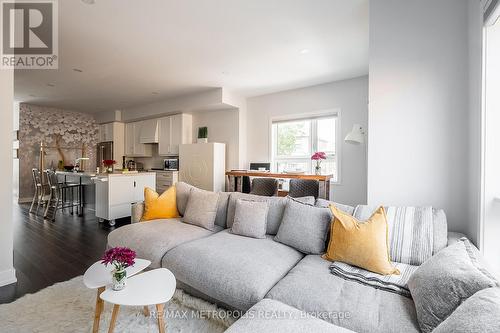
(171,164)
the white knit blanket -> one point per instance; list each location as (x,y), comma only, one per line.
(411,232)
(393,283)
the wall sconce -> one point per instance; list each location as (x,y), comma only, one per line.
(356,136)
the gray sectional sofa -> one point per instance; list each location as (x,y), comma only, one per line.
(265,276)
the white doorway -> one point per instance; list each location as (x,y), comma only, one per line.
(490,222)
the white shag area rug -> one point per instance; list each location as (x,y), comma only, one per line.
(69,307)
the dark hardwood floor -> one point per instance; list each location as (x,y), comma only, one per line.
(47,252)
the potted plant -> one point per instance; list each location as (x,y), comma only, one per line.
(121,258)
(202,134)
(108,164)
(318,157)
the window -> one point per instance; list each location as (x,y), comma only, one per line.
(295,140)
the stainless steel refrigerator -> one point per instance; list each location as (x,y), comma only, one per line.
(104,152)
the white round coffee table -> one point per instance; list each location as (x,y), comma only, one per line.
(155,287)
(98,276)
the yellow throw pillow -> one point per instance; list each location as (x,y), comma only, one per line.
(360,243)
(159,206)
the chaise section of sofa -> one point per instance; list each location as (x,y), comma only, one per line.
(310,287)
(151,240)
(235,270)
(270,316)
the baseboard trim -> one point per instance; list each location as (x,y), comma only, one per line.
(8,277)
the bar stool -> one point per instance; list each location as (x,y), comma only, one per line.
(58,191)
(40,197)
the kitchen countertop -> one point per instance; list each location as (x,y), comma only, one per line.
(93,174)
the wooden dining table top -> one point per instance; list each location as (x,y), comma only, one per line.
(242,173)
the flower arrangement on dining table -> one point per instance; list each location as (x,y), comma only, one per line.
(120,258)
(318,157)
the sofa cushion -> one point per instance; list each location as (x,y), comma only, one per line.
(407,249)
(310,287)
(440,240)
(183,190)
(326,203)
(270,316)
(443,282)
(236,270)
(151,240)
(479,313)
(411,231)
(182,193)
(274,214)
(201,209)
(250,218)
(304,227)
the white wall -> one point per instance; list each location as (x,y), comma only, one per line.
(7,273)
(419,139)
(223,126)
(350,96)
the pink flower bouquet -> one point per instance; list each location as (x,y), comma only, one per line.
(120,257)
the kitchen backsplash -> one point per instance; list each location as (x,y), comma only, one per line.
(154,162)
(67,133)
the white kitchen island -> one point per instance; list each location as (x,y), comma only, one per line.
(116,192)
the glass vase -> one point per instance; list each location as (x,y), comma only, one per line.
(119,279)
(317,170)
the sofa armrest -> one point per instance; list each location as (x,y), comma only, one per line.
(453,237)
(137,211)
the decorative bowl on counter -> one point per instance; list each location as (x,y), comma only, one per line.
(69,167)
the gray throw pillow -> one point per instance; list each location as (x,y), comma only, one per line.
(201,209)
(304,227)
(250,218)
(183,190)
(274,214)
(444,281)
(479,313)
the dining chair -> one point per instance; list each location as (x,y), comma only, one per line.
(303,188)
(264,186)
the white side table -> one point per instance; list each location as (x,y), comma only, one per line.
(98,276)
(155,287)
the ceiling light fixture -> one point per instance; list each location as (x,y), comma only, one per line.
(304,51)
(78,70)
(51,84)
(31,95)
(88,2)
(155,93)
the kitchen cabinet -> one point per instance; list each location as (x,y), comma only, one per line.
(164,136)
(133,145)
(165,179)
(115,193)
(149,131)
(106,132)
(174,131)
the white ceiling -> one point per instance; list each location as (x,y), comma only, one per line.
(129,49)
